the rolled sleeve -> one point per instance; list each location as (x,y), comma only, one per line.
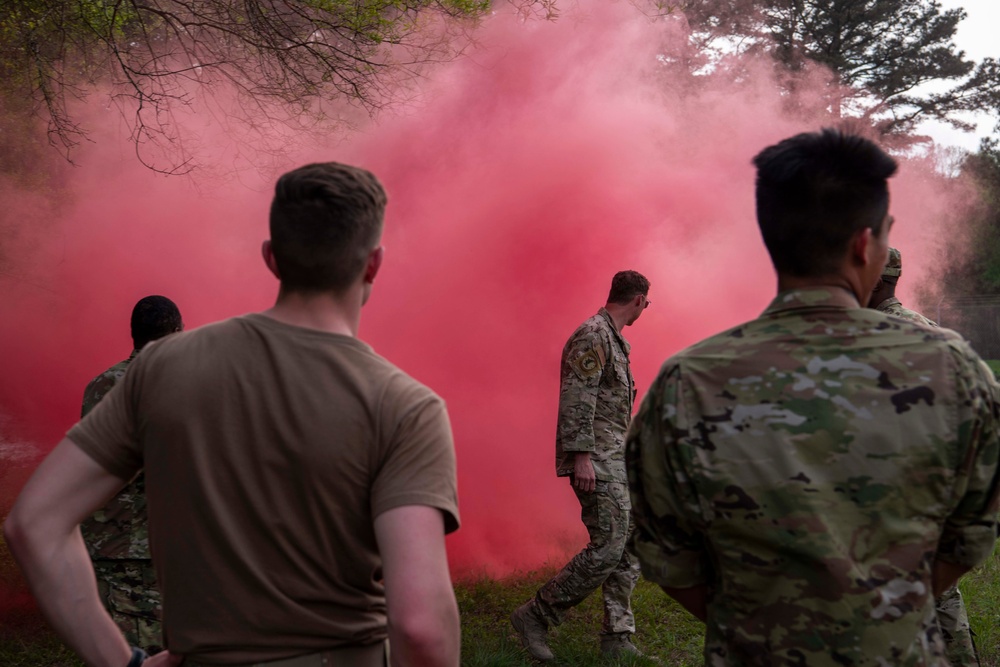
(668,537)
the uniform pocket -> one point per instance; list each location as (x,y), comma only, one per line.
(619,491)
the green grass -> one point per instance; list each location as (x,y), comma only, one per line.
(664,631)
(981,590)
(25,638)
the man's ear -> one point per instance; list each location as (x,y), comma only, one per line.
(374,264)
(267,252)
(861,247)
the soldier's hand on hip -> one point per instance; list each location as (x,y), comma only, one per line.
(164,659)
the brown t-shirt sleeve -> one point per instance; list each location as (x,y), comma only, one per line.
(417,465)
(108,433)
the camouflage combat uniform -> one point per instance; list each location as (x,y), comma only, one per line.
(952,615)
(117,540)
(892,306)
(808,468)
(596,392)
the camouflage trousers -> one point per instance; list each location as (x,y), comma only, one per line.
(129,593)
(605,562)
(954,622)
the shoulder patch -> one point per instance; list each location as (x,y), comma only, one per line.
(588,364)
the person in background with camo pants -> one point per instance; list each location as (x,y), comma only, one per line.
(117,536)
(596,394)
(952,616)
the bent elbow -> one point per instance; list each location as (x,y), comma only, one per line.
(14,533)
(427,639)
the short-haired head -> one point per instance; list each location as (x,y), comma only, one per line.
(325,220)
(814,192)
(626,285)
(154,317)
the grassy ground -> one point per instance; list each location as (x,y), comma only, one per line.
(665,631)
(981,589)
(25,639)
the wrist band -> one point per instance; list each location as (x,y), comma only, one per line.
(138,657)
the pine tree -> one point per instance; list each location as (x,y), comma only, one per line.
(883,53)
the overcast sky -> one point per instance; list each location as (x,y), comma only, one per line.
(977,36)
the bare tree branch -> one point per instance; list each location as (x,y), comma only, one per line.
(283,60)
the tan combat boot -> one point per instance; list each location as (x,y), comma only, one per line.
(616,645)
(532,630)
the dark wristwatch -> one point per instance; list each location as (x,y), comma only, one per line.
(138,657)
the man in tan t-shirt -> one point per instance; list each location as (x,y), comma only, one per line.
(299,485)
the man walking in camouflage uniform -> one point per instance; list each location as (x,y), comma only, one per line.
(808,481)
(952,616)
(116,536)
(596,393)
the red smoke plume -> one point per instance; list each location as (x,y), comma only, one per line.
(530,171)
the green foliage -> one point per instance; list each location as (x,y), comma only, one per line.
(982,599)
(883,51)
(281,60)
(985,250)
(972,266)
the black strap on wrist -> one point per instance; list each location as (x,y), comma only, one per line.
(138,657)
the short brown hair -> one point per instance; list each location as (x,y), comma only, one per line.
(626,285)
(325,220)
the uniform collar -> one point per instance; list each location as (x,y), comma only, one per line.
(814,297)
(891,301)
(626,347)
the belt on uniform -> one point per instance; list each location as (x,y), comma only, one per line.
(374,655)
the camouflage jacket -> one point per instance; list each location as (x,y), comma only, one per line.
(596,391)
(808,468)
(118,531)
(103,383)
(892,306)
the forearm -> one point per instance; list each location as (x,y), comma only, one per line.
(694,599)
(43,533)
(420,601)
(61,578)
